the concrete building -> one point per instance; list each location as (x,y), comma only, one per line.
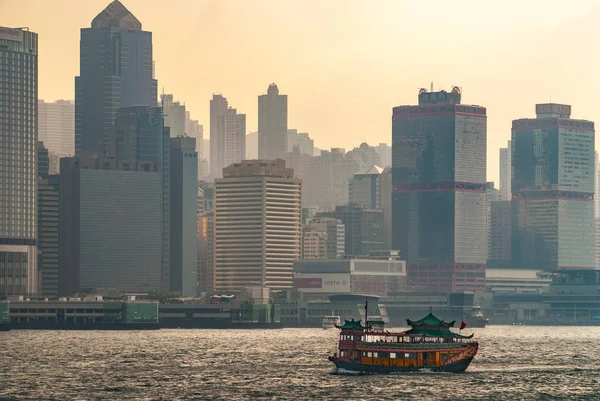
(174,116)
(597,242)
(48,226)
(272,124)
(18,165)
(385,154)
(258,225)
(302,140)
(493,195)
(505,172)
(323,238)
(252,146)
(350,276)
(553,190)
(184,216)
(227,136)
(439,200)
(116,71)
(206,244)
(111,226)
(500,234)
(372,189)
(56,128)
(597,185)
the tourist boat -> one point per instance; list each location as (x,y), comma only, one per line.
(477,319)
(331,322)
(428,345)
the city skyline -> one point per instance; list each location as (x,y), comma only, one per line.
(359,48)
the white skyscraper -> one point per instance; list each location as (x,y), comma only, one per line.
(505,172)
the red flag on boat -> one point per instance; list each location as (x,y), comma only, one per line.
(462,325)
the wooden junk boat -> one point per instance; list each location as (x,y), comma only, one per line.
(428,345)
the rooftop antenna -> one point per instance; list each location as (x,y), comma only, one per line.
(431,86)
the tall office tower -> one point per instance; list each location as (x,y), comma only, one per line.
(372,189)
(597,242)
(301,164)
(227,136)
(56,129)
(139,135)
(116,71)
(385,154)
(363,228)
(366,156)
(184,216)
(439,199)
(597,185)
(333,174)
(18,165)
(258,225)
(304,142)
(324,238)
(175,116)
(500,234)
(252,146)
(505,172)
(48,225)
(272,124)
(195,130)
(110,225)
(206,243)
(553,190)
(493,195)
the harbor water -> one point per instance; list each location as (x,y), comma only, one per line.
(514,363)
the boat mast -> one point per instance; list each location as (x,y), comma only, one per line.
(366,312)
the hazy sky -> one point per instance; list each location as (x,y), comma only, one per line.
(344,64)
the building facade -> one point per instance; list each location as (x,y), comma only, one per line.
(111,225)
(174,116)
(184,216)
(553,190)
(258,225)
(18,165)
(439,199)
(56,128)
(324,238)
(500,234)
(272,124)
(505,172)
(116,71)
(227,136)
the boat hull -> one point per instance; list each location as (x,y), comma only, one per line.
(348,365)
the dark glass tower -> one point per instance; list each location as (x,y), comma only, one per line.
(439,207)
(115,71)
(553,190)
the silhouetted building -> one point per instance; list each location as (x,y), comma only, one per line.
(227,135)
(18,165)
(257,224)
(111,223)
(184,216)
(439,200)
(116,71)
(553,190)
(500,234)
(272,124)
(303,141)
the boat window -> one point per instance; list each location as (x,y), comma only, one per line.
(375,354)
(393,355)
(370,354)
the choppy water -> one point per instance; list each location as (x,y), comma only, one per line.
(514,363)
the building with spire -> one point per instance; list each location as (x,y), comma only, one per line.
(116,71)
(272,124)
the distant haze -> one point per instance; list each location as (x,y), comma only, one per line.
(344,64)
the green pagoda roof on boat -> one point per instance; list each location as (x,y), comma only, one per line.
(351,325)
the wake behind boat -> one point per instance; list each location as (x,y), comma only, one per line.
(428,345)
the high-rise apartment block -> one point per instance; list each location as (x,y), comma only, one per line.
(56,128)
(439,200)
(505,172)
(372,189)
(18,166)
(116,71)
(272,124)
(305,144)
(227,136)
(323,238)
(597,186)
(257,225)
(175,116)
(184,216)
(500,234)
(553,190)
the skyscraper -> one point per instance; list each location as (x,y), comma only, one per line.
(439,200)
(227,136)
(505,172)
(257,225)
(175,116)
(18,166)
(553,190)
(56,129)
(184,216)
(597,186)
(116,71)
(272,124)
